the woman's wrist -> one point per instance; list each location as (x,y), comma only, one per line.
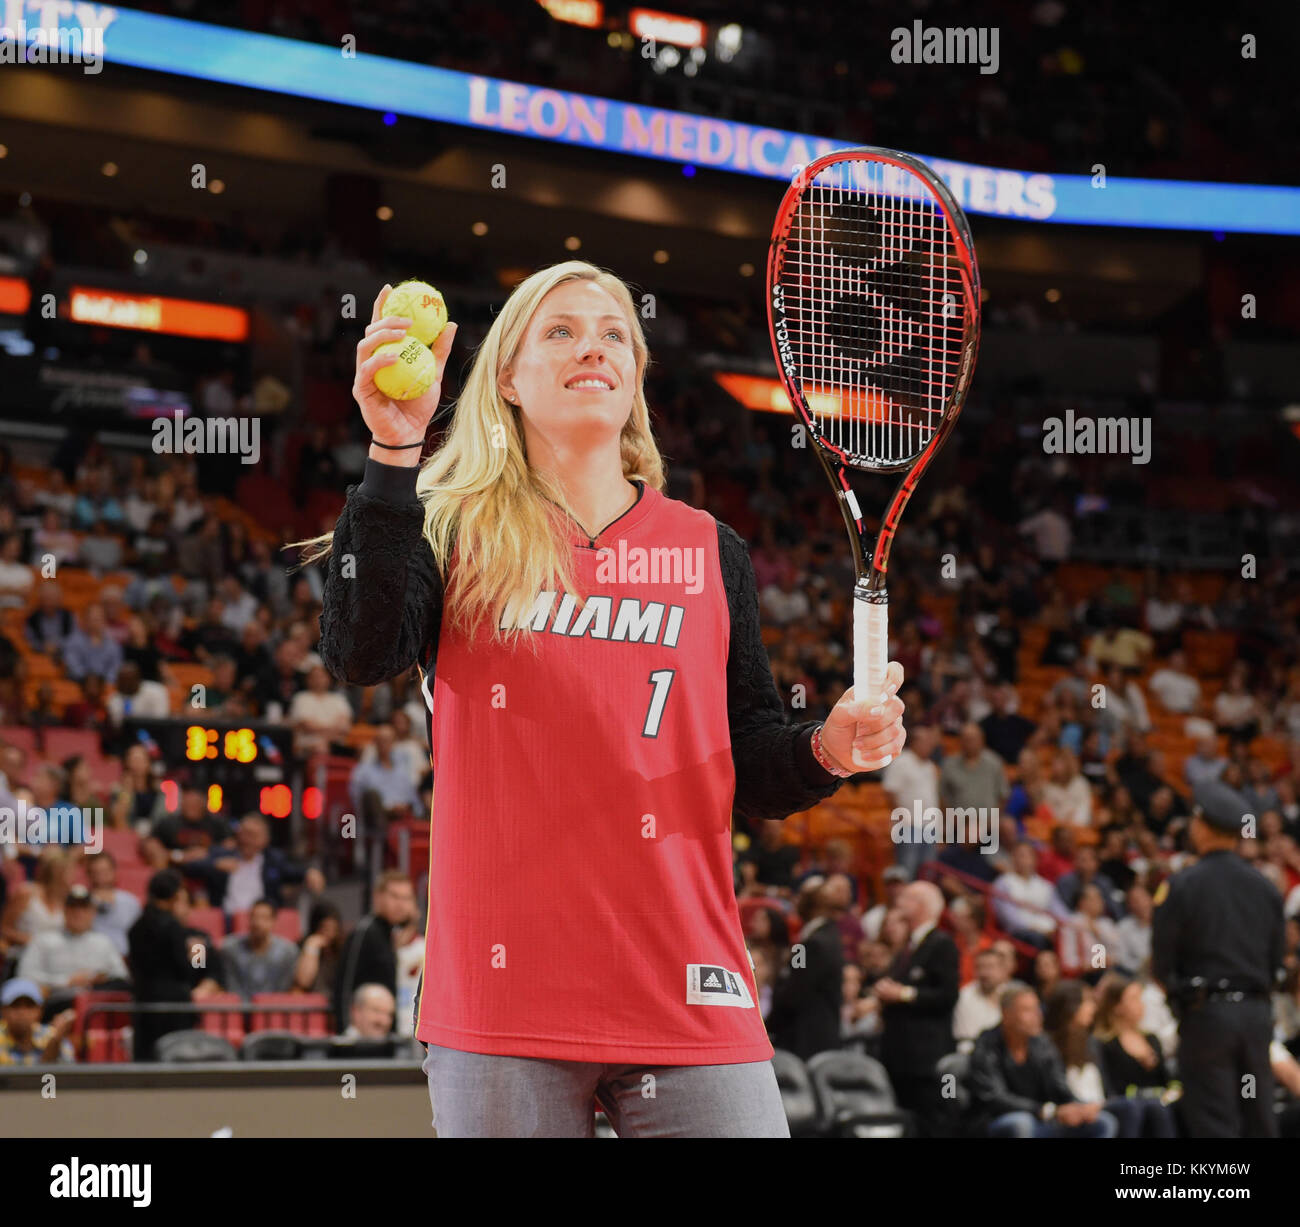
(407,458)
(823,757)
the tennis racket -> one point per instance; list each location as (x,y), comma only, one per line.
(874,309)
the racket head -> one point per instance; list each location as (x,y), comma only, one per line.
(874,307)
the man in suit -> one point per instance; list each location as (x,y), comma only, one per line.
(807,999)
(917,999)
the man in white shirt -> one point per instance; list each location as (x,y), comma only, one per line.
(912,779)
(1177,690)
(1051,533)
(1135,931)
(979,1003)
(1067,793)
(74,956)
(133,696)
(1022,900)
(318,715)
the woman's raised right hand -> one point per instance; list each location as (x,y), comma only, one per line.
(395,421)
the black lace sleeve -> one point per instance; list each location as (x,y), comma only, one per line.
(776,773)
(383,596)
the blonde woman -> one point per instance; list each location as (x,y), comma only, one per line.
(599,702)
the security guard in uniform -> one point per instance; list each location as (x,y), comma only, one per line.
(1216,946)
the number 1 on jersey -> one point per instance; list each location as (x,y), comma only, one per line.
(662,681)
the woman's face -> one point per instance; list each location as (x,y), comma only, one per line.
(1129,1008)
(1046,966)
(1086,1012)
(574,376)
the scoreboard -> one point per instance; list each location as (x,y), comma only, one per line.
(245,766)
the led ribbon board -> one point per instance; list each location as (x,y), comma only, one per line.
(311,70)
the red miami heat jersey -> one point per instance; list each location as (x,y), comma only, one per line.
(581,904)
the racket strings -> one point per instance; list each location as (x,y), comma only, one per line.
(875,304)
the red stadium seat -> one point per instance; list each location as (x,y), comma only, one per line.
(212,920)
(61,744)
(104,1035)
(317,1022)
(229,1024)
(124,844)
(134,878)
(17,735)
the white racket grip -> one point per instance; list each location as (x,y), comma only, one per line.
(870,656)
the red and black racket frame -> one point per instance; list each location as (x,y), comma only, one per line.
(872,567)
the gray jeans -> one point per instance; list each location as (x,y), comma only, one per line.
(477,1095)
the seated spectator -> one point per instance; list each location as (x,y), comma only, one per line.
(90,648)
(319,952)
(1089,940)
(975,777)
(1022,900)
(1120,645)
(116,910)
(913,779)
(979,1004)
(16,578)
(51,622)
(236,878)
(101,549)
(24,1039)
(774,856)
(1131,1058)
(1125,707)
(1068,1019)
(1113,858)
(210,637)
(1087,869)
(75,956)
(279,681)
(372,1013)
(1057,859)
(189,836)
(1066,792)
(259,961)
(1205,764)
(1004,729)
(159,958)
(223,693)
(138,802)
(133,697)
(319,716)
(139,649)
(1045,973)
(1017,1083)
(90,711)
(1133,952)
(969,934)
(1177,690)
(893,880)
(1237,712)
(382,788)
(37,906)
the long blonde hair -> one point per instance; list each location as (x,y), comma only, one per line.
(482,498)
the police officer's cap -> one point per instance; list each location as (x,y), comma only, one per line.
(1221,806)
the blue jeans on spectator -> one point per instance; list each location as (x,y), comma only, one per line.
(1142,1118)
(1027,1125)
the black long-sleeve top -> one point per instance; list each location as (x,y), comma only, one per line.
(382,612)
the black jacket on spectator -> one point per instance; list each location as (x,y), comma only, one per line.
(918,1033)
(159,956)
(998,1085)
(806,1000)
(368,958)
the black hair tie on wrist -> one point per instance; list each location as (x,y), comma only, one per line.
(397,447)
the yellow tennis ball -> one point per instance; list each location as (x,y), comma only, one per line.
(422,305)
(412,375)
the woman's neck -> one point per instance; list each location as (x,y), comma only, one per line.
(593,483)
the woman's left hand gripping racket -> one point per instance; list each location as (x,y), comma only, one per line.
(874,308)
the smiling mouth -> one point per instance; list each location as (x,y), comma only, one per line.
(589,385)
